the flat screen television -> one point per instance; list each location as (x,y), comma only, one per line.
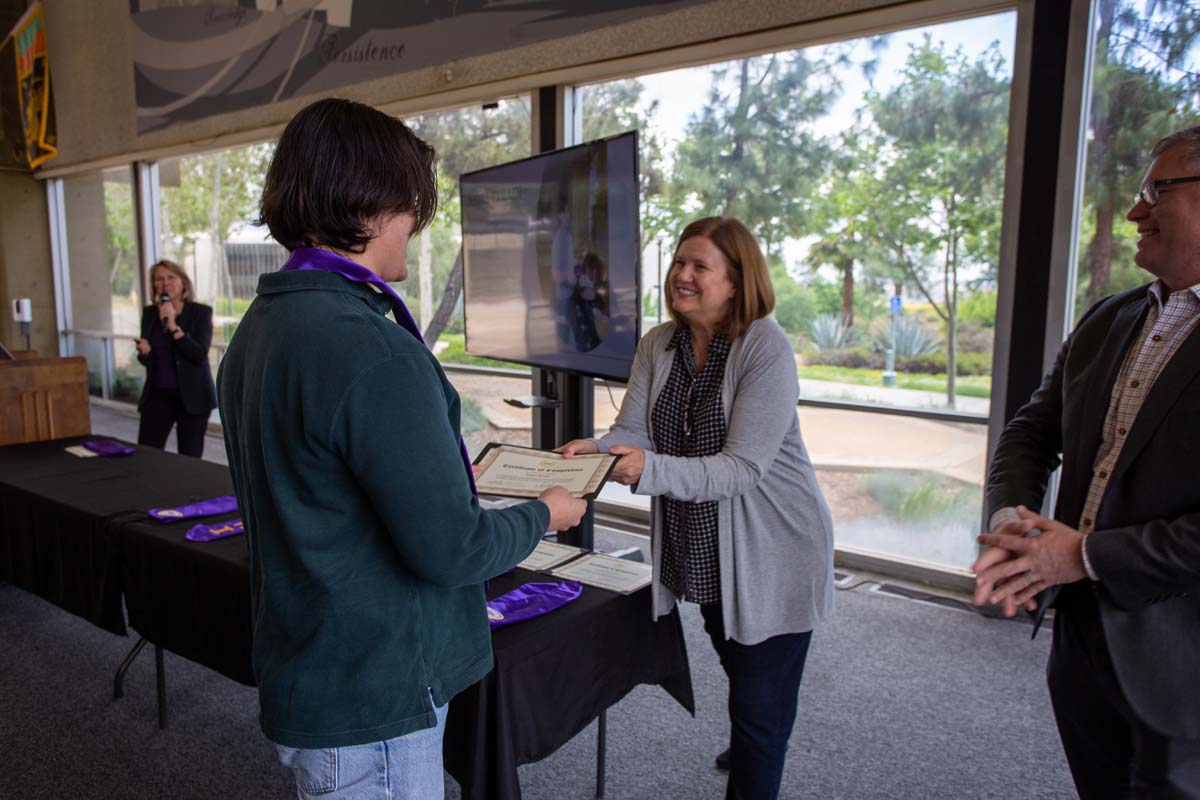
(552,259)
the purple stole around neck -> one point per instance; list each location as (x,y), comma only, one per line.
(325,261)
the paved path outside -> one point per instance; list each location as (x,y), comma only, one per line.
(835,438)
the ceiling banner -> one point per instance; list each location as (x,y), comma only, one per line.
(196,58)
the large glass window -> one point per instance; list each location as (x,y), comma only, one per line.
(1145,85)
(208,203)
(105,281)
(872,173)
(466,139)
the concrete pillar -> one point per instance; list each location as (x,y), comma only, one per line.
(25,268)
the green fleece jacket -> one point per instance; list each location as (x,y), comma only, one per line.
(368,550)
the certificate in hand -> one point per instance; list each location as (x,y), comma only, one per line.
(512,471)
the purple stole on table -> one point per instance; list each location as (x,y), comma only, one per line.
(218,530)
(202,508)
(531,600)
(325,261)
(106,447)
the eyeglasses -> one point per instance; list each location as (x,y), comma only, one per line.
(1149,192)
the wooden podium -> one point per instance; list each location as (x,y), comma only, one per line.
(43,398)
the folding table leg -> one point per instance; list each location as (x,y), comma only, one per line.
(119,678)
(601,750)
(161,680)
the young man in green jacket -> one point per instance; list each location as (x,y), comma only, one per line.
(368,546)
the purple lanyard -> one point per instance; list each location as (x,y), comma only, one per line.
(325,261)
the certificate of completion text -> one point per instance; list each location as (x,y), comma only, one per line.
(524,472)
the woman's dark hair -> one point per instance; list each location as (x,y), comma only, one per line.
(339,168)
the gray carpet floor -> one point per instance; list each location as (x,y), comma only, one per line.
(900,699)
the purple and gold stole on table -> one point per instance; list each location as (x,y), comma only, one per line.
(531,600)
(325,261)
(201,508)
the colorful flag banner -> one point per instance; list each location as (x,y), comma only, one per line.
(33,87)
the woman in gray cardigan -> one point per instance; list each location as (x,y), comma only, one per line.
(708,428)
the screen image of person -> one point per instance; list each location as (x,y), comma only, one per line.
(176,333)
(368,546)
(708,428)
(589,321)
(562,272)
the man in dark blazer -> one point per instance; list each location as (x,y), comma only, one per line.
(1120,560)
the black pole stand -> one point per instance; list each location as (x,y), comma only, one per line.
(601,748)
(562,410)
(160,678)
(119,678)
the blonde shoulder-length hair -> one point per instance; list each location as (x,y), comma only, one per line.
(755,296)
(170,266)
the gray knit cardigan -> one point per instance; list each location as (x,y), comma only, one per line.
(774,529)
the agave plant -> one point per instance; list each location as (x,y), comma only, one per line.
(907,334)
(831,332)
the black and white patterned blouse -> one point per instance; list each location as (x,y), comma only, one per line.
(688,421)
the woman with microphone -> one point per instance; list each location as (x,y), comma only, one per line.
(179,391)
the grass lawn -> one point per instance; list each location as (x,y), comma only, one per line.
(967,385)
(455,353)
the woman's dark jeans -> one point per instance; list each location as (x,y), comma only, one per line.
(764,680)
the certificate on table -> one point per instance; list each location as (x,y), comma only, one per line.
(605,572)
(550,554)
(512,471)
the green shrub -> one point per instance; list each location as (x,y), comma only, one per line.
(794,307)
(974,338)
(935,364)
(907,333)
(915,497)
(974,363)
(928,364)
(853,357)
(978,308)
(830,332)
(127,384)
(473,418)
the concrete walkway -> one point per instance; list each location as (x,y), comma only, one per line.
(835,438)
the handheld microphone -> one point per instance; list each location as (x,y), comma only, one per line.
(164,298)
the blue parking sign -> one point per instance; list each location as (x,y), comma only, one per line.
(894,304)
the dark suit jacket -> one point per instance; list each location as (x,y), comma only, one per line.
(1146,544)
(196,388)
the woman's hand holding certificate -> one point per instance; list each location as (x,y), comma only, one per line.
(511,471)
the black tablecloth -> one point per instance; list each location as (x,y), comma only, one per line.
(553,676)
(74,530)
(193,598)
(57,511)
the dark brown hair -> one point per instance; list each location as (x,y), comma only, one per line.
(341,167)
(755,297)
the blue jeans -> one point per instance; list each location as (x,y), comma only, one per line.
(405,768)
(764,680)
